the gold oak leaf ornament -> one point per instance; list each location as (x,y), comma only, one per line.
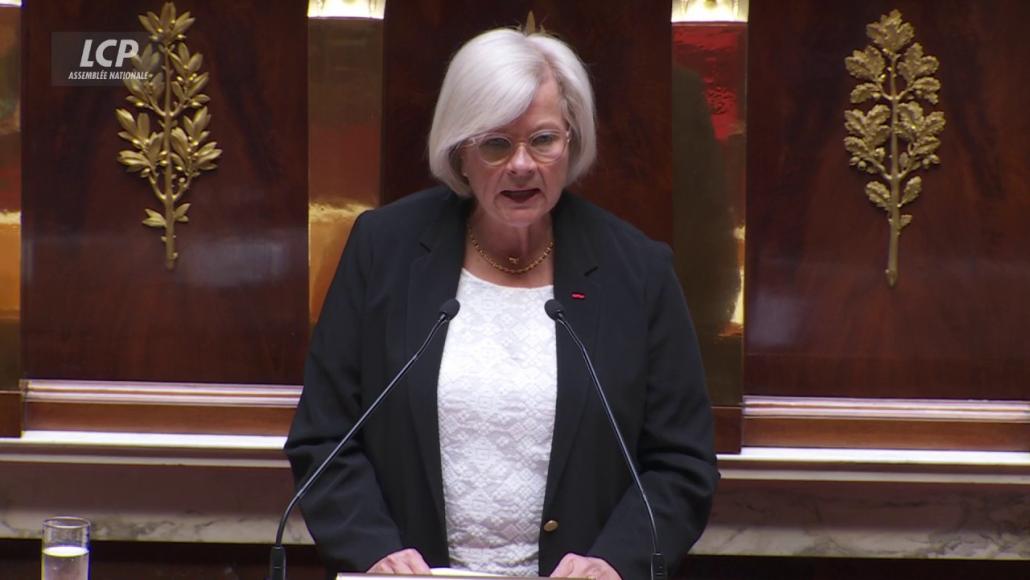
(171,157)
(530,27)
(895,137)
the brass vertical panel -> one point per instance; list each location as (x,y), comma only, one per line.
(10,198)
(708,145)
(345,88)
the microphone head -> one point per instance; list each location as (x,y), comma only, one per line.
(450,309)
(554,309)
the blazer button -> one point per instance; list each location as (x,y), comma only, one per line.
(550,526)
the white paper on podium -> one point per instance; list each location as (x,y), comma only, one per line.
(455,573)
(441,572)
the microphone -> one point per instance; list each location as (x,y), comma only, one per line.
(277,559)
(556,312)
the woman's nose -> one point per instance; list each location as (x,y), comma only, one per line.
(521,161)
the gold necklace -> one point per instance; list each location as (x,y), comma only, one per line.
(512,260)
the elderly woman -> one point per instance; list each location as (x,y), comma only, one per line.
(495,454)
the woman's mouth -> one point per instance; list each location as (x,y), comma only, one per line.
(520,195)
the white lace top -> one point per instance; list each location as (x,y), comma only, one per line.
(496,401)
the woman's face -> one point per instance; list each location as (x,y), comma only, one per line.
(521,190)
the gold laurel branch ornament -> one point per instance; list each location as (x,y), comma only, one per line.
(172,157)
(530,27)
(895,137)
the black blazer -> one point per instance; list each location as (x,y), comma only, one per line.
(384,492)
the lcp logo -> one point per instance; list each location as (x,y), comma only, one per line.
(127,48)
(94,58)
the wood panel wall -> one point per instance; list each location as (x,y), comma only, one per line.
(98,301)
(821,319)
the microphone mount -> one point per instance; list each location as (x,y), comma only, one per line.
(277,559)
(556,312)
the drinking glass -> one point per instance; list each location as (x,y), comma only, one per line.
(65,548)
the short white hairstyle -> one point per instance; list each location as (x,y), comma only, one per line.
(491,81)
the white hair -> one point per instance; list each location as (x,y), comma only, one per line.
(491,81)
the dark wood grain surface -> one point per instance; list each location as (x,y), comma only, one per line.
(821,319)
(98,301)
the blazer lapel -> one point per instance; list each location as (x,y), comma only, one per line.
(581,296)
(433,278)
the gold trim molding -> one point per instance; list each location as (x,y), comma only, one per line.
(172,157)
(895,137)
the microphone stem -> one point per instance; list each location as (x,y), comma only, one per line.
(277,569)
(658,570)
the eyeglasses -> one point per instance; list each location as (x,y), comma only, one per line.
(543,146)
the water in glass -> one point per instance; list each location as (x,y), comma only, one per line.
(65,563)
